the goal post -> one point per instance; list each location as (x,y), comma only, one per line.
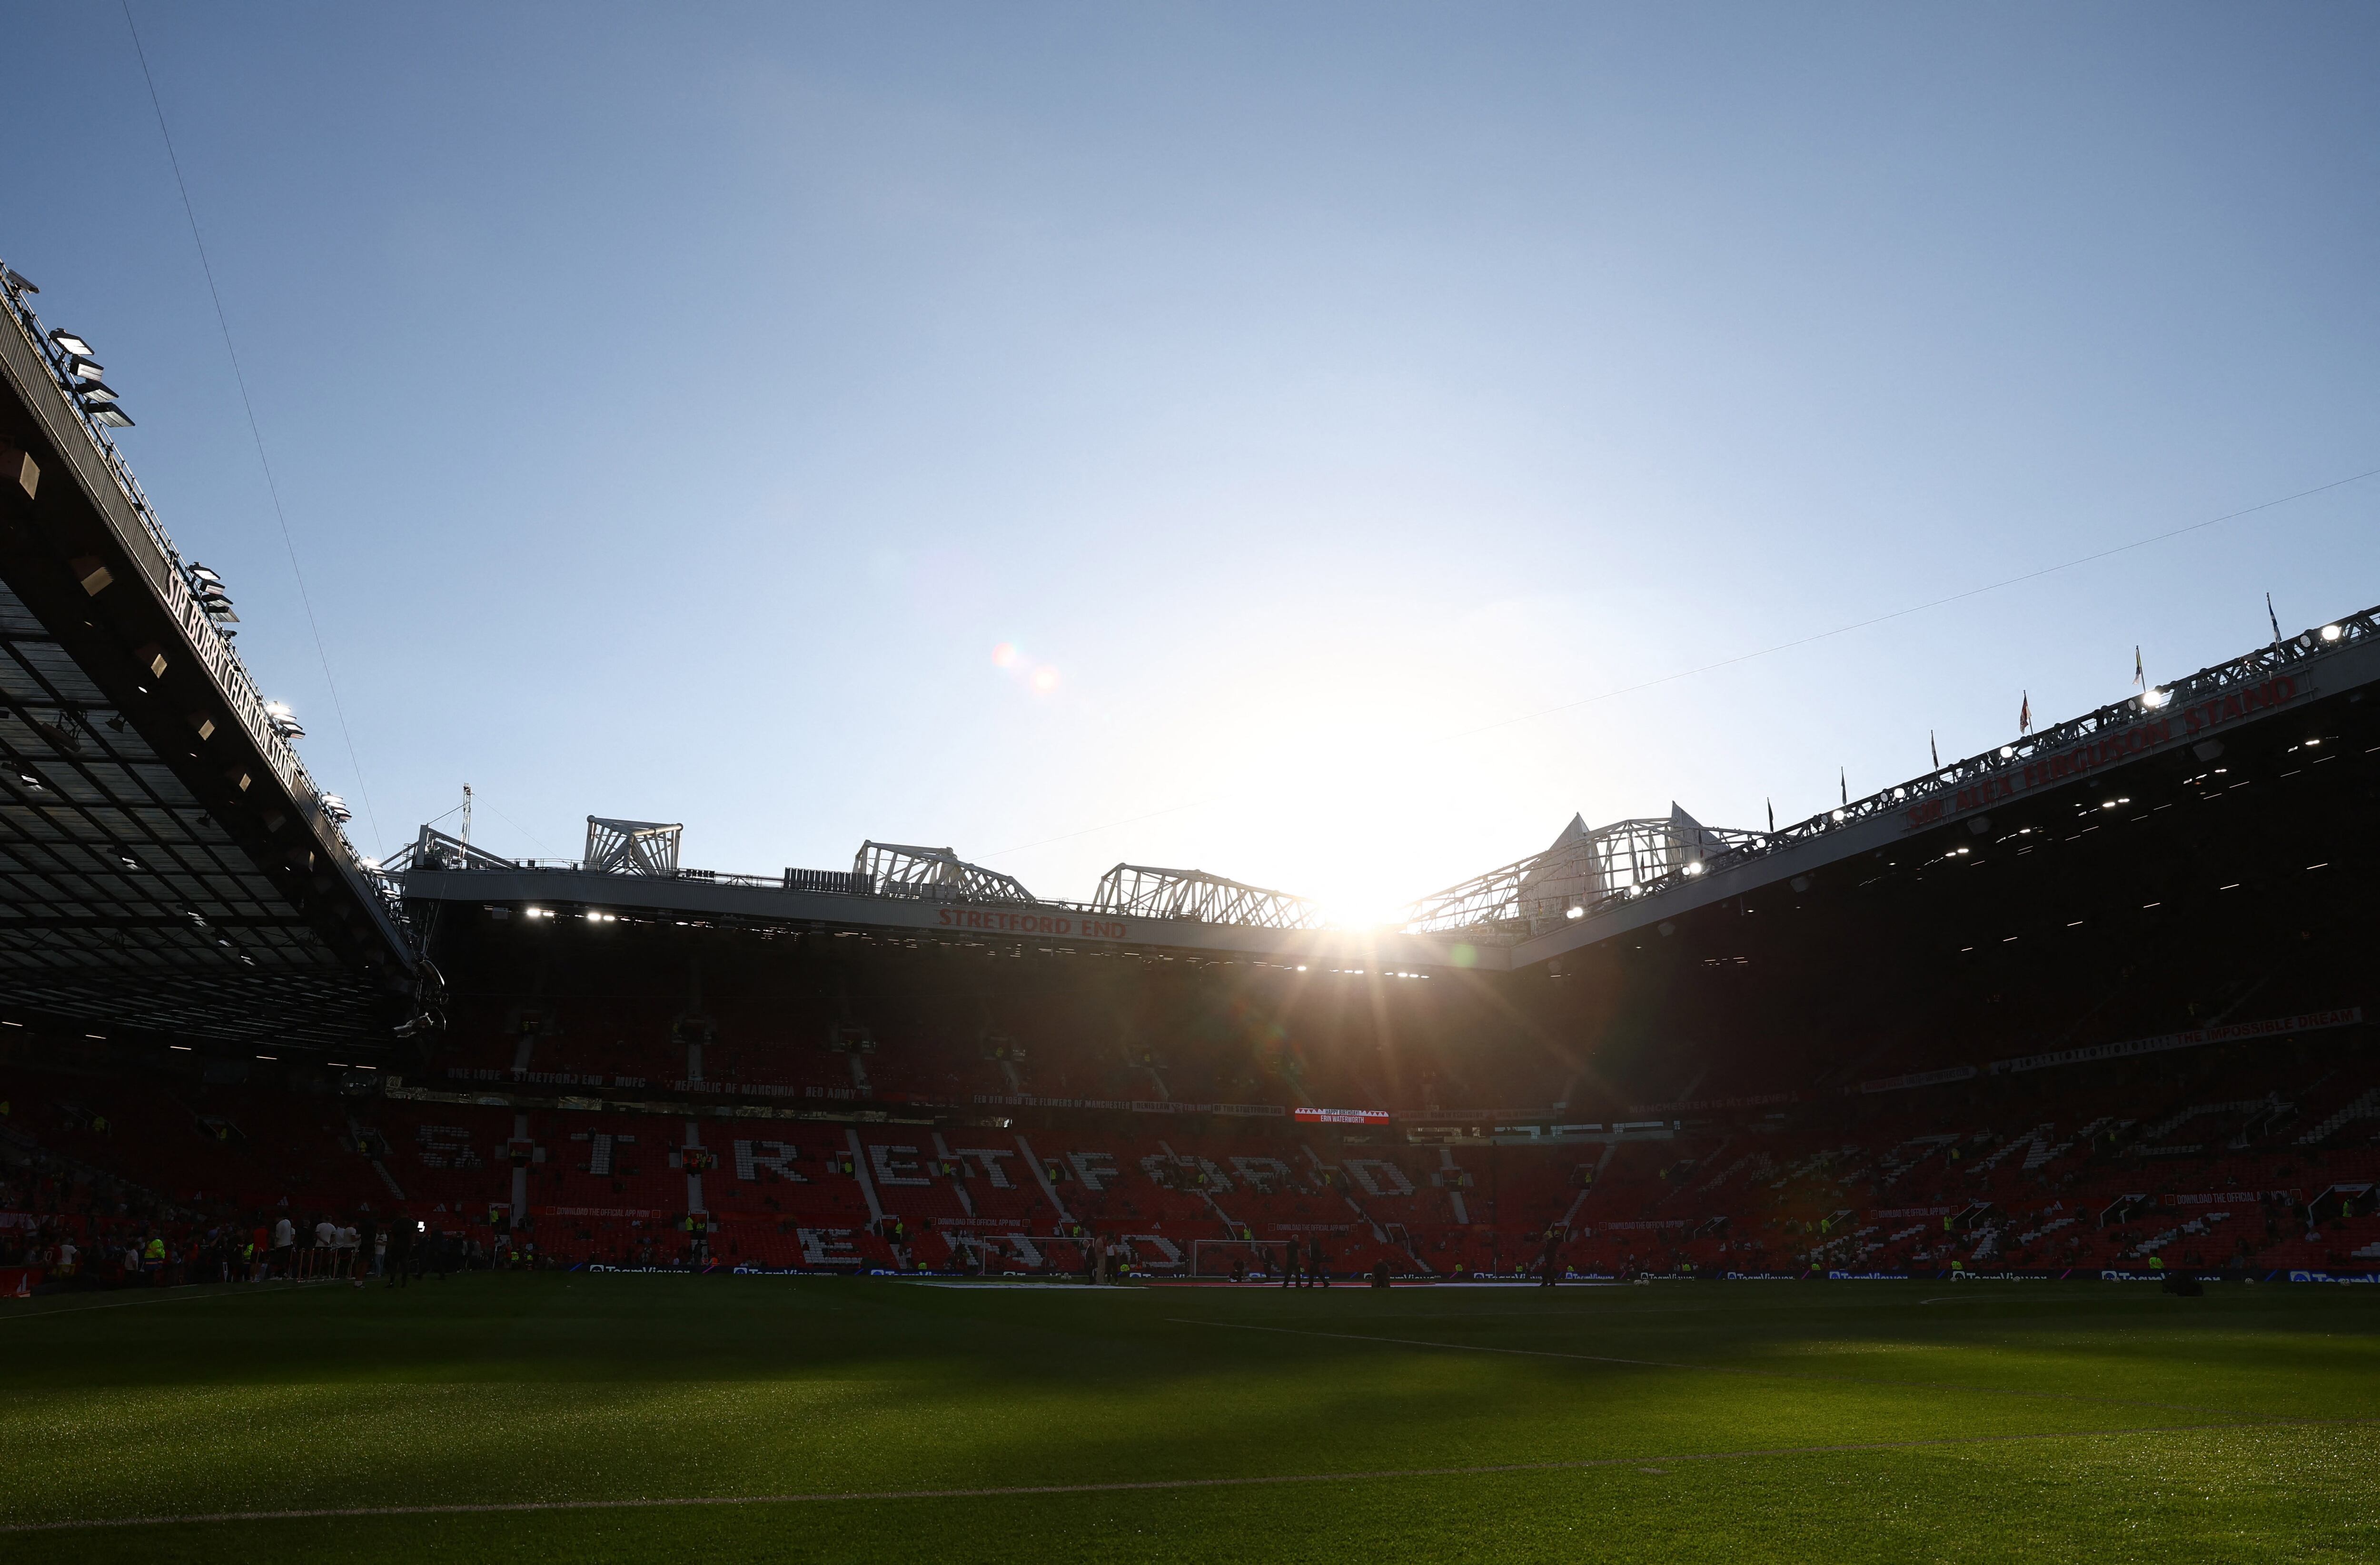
(1243,1257)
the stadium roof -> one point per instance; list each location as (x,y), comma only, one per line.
(2195,717)
(1588,885)
(168,866)
(927,892)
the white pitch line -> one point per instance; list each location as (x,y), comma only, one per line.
(1717,1369)
(1147,1484)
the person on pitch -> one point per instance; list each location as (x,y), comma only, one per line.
(400,1253)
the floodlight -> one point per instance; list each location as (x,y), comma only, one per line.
(2007,751)
(1574,913)
(95,391)
(2331,632)
(1838,814)
(1693,869)
(17,280)
(71,343)
(2155,698)
(111,415)
(84,368)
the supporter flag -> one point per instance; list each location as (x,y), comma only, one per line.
(1933,750)
(1772,817)
(2024,714)
(2274,617)
(2140,675)
(1843,780)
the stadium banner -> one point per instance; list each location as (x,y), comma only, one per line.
(2135,740)
(1343,1116)
(1893,1213)
(546,1078)
(1919,1078)
(1001,921)
(2220,1198)
(2197,1037)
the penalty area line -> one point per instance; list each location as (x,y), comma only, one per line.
(499,1507)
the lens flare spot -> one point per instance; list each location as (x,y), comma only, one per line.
(1045,679)
(1005,656)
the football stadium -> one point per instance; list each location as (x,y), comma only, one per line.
(1684,869)
(1999,1145)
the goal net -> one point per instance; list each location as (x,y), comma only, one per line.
(1237,1257)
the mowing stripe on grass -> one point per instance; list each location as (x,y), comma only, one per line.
(1713,1369)
(1146,1485)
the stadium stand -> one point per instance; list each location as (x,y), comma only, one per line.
(2092,1000)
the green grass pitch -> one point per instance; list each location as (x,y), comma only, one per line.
(863,1420)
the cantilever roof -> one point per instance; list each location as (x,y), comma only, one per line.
(166,865)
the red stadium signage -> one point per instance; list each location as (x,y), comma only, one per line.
(2135,740)
(1343,1116)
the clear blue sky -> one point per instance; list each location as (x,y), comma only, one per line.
(676,408)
